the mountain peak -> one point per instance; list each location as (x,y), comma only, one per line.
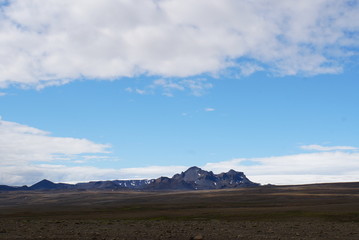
(45,181)
(192,174)
(194,168)
(44,184)
(233,172)
(195,178)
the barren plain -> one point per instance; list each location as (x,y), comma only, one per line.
(319,211)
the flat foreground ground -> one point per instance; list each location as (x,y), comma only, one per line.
(322,211)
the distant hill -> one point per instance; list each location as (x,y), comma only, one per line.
(48,185)
(193,178)
(11,188)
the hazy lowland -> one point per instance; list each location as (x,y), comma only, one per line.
(319,211)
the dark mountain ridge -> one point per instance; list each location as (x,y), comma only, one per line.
(48,185)
(193,178)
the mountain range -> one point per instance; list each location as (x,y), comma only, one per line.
(193,178)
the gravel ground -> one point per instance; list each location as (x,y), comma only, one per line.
(161,229)
(322,211)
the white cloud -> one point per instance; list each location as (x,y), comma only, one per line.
(247,69)
(2,94)
(136,90)
(30,174)
(21,144)
(24,150)
(168,87)
(28,155)
(47,42)
(291,169)
(209,109)
(151,171)
(197,87)
(139,91)
(326,148)
(296,169)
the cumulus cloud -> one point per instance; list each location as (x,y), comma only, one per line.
(326,148)
(49,42)
(21,144)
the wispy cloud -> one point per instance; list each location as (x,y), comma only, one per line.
(248,68)
(168,87)
(197,87)
(327,148)
(209,109)
(172,38)
(135,90)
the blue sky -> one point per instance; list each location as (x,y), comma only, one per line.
(269,88)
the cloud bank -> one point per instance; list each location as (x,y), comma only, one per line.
(338,166)
(50,42)
(24,148)
(291,169)
(326,148)
(28,155)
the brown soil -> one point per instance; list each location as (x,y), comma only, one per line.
(323,211)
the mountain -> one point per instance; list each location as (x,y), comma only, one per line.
(115,184)
(10,188)
(48,185)
(133,184)
(110,185)
(193,178)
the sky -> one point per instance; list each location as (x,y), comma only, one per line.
(134,89)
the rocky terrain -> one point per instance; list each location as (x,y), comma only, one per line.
(321,211)
(192,179)
(60,229)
